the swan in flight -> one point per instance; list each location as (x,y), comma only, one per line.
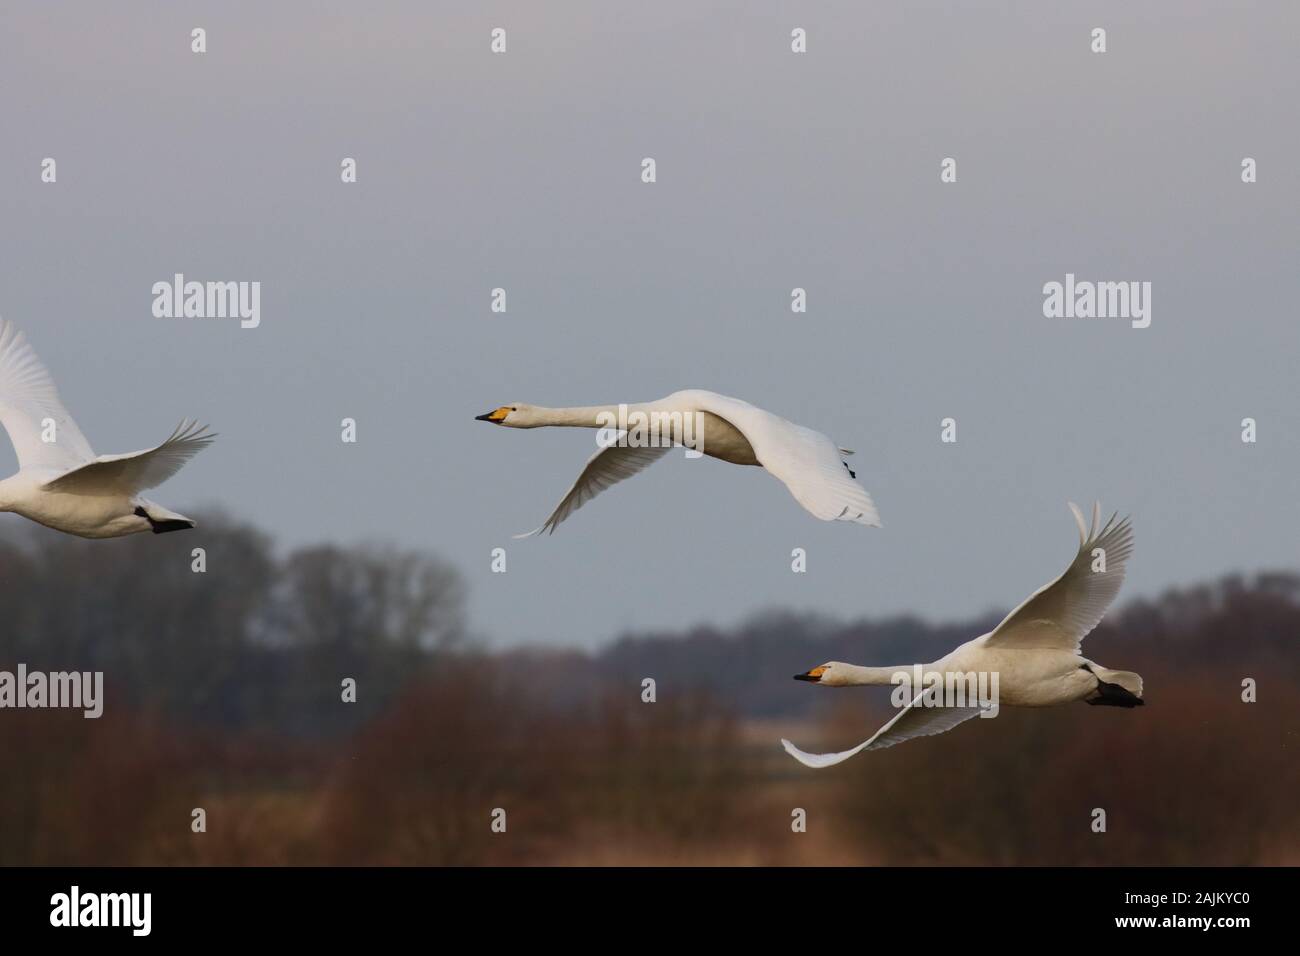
(60,482)
(635,436)
(1033,655)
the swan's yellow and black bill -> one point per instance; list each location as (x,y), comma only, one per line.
(813,675)
(496,415)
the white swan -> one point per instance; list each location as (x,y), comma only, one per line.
(60,482)
(808,462)
(1034,651)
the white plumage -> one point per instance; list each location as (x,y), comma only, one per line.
(60,482)
(1034,651)
(806,461)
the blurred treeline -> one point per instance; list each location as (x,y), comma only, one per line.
(223,692)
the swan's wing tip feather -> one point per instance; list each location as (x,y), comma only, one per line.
(1078,520)
(816,761)
(795,752)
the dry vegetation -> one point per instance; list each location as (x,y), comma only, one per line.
(230,702)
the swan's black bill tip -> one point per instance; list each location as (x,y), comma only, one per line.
(483,418)
(807,677)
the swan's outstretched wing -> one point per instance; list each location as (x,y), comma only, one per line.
(138,470)
(809,464)
(914,720)
(608,466)
(29,403)
(807,461)
(1058,616)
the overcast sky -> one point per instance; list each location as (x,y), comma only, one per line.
(775,170)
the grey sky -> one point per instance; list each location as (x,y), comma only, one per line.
(775,171)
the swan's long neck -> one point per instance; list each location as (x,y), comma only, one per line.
(857,674)
(583,416)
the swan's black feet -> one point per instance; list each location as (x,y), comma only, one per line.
(168,524)
(1111,695)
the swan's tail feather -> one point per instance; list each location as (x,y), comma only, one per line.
(1116,688)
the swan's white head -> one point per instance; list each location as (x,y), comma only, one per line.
(514,415)
(832,674)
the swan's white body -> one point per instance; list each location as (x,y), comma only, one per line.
(1034,651)
(60,482)
(806,461)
